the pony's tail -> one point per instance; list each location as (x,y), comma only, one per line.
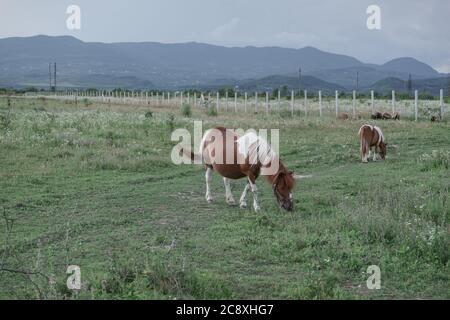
(364,146)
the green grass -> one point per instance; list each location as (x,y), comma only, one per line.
(93,185)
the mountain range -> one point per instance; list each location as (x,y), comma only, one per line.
(151,65)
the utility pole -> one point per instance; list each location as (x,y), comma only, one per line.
(409,85)
(299,81)
(448,78)
(357,81)
(55,76)
(50,76)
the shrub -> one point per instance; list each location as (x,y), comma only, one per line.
(212,111)
(5,120)
(438,159)
(149,114)
(186,110)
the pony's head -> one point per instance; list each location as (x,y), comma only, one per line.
(282,187)
(382,147)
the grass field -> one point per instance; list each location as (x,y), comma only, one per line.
(93,185)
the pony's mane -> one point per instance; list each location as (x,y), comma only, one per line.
(380,134)
(256,148)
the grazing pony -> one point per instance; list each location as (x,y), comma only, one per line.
(435,118)
(388,116)
(371,137)
(248,156)
(377,115)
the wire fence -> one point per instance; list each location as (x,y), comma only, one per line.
(317,105)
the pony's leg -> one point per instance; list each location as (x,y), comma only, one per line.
(375,152)
(361,151)
(243,199)
(228,195)
(208,178)
(255,195)
(364,151)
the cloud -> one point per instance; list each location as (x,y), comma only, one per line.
(222,30)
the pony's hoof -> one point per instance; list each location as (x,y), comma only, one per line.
(257,209)
(209,200)
(231,202)
(243,205)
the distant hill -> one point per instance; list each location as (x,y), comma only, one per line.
(369,73)
(270,83)
(152,65)
(431,86)
(409,65)
(309,83)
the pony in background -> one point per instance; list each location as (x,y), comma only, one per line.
(371,137)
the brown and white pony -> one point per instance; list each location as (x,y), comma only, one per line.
(388,116)
(247,156)
(377,115)
(371,137)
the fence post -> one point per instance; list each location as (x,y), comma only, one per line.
(441,103)
(217,101)
(416,105)
(256,102)
(235,102)
(226,100)
(354,104)
(267,102)
(292,102)
(189,98)
(181,98)
(337,103)
(320,103)
(393,101)
(195,99)
(372,98)
(306,103)
(245,102)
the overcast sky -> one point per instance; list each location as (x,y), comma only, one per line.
(416,28)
